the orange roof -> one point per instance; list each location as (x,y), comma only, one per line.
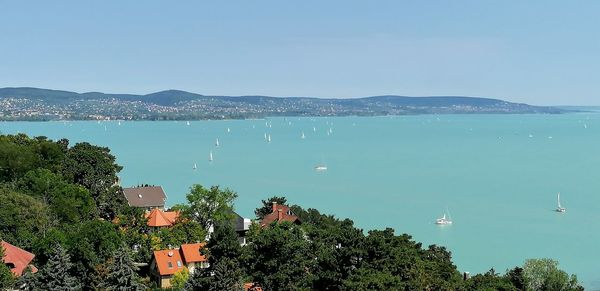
(191,253)
(17,258)
(168,262)
(279,213)
(252,287)
(158,218)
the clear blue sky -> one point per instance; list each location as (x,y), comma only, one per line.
(539,52)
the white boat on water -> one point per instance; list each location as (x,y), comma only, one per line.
(321,168)
(559,208)
(217,142)
(303,136)
(228,130)
(443,220)
(187,123)
(194,167)
(269,138)
(210,157)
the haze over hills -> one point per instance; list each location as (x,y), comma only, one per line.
(26,103)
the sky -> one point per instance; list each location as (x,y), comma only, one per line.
(540,52)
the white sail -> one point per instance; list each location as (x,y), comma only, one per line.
(269,138)
(228,130)
(194,166)
(559,208)
(217,142)
(303,136)
(210,156)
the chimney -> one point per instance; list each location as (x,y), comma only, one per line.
(466,276)
(274,206)
(279,214)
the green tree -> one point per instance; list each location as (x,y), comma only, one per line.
(281,258)
(95,168)
(122,272)
(56,274)
(72,204)
(6,275)
(91,244)
(224,275)
(179,279)
(23,219)
(209,206)
(223,244)
(490,281)
(544,274)
(267,206)
(336,243)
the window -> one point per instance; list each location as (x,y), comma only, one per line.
(170,265)
(178,264)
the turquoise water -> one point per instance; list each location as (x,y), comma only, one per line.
(498,183)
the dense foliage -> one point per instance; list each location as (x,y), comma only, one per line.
(63,204)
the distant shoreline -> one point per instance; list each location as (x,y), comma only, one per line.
(34,104)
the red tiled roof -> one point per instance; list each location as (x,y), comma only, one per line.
(18,258)
(279,213)
(252,287)
(191,253)
(158,218)
(168,262)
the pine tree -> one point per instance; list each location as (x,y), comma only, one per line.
(224,275)
(122,272)
(55,274)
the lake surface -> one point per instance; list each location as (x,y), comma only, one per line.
(498,175)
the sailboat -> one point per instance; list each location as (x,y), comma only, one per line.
(321,168)
(314,129)
(444,220)
(228,130)
(303,136)
(265,136)
(559,208)
(269,138)
(217,142)
(187,123)
(210,157)
(194,167)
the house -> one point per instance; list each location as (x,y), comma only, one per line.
(147,197)
(279,213)
(17,259)
(165,263)
(159,218)
(241,226)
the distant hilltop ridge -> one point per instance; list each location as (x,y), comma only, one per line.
(25,103)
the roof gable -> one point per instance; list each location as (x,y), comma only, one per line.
(168,262)
(191,253)
(18,258)
(279,213)
(159,218)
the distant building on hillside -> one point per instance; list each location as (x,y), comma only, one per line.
(165,263)
(147,197)
(17,259)
(159,218)
(279,213)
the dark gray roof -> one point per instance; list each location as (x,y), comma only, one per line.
(150,196)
